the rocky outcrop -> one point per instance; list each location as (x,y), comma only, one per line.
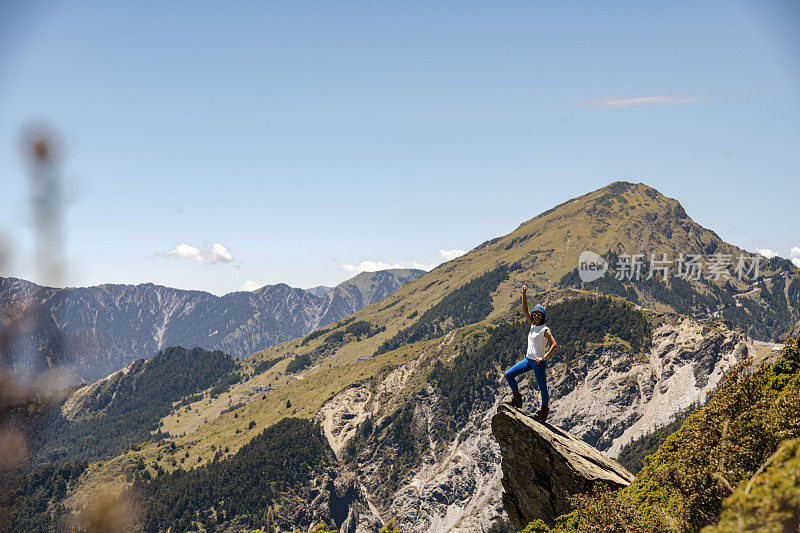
(454,489)
(606,397)
(341,502)
(543,466)
(92,399)
(340,416)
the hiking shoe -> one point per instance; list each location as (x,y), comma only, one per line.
(541,414)
(516,400)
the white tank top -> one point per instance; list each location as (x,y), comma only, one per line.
(536,341)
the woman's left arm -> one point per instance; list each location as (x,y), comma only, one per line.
(552,340)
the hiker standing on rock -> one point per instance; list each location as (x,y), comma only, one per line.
(535,357)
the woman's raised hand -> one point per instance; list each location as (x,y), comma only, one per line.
(524,288)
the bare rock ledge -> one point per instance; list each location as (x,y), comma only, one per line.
(543,465)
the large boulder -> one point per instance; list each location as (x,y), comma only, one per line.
(543,466)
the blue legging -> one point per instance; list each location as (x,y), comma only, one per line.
(538,370)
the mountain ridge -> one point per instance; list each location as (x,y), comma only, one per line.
(531,251)
(418,414)
(93,331)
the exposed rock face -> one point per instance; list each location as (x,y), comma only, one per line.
(92,399)
(91,332)
(542,466)
(605,398)
(454,489)
(341,502)
(340,417)
(610,397)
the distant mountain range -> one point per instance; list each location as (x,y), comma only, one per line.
(320,290)
(94,331)
(404,390)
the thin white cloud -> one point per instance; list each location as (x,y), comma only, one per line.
(616,102)
(374,266)
(794,255)
(250,286)
(185,251)
(451,254)
(216,253)
(220,254)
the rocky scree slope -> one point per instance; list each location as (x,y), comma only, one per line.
(429,479)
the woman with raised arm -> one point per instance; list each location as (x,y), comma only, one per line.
(535,357)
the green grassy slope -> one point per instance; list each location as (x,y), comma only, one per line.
(304,397)
(621,217)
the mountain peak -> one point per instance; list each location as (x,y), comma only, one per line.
(622,217)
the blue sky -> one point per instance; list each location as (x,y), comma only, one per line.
(308,137)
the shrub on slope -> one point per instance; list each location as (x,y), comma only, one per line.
(683,485)
(770,501)
(265,471)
